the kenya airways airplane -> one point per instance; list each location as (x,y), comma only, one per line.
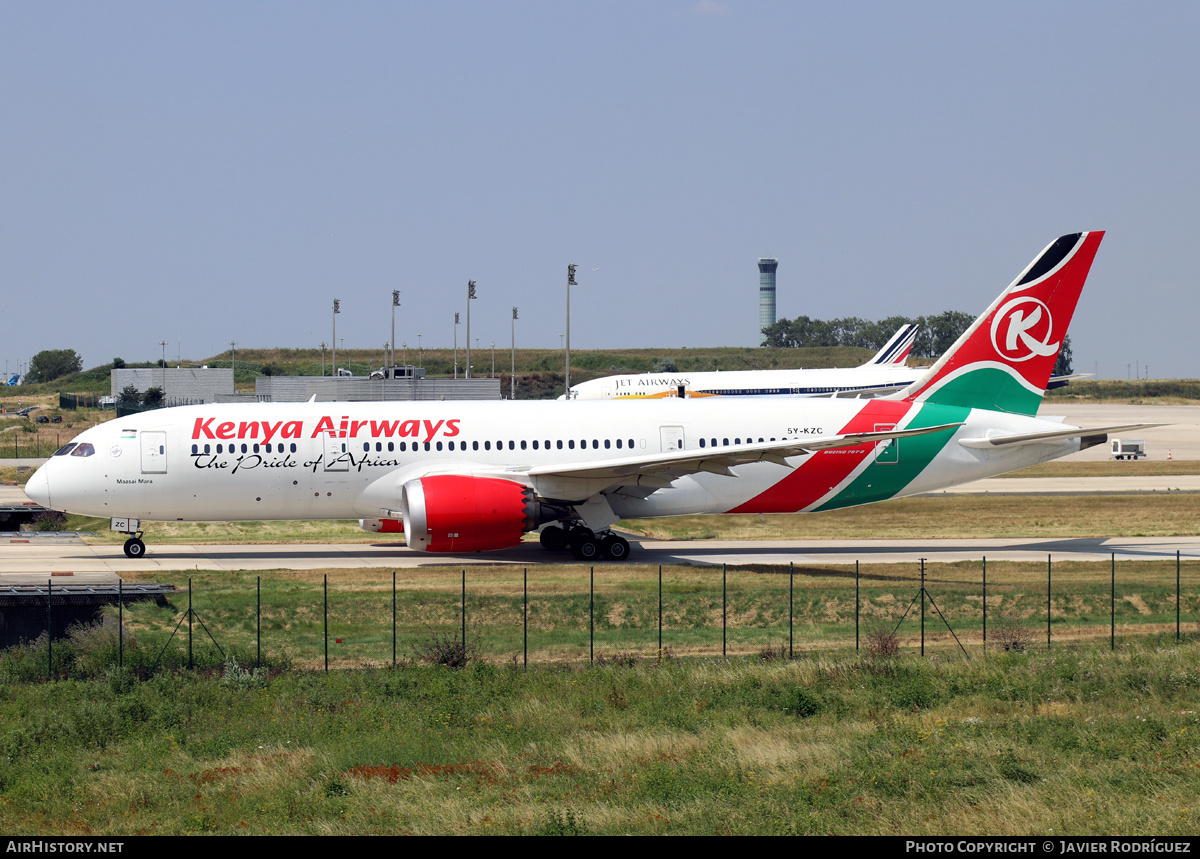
(883,374)
(472,476)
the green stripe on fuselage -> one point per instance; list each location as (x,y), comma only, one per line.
(883,479)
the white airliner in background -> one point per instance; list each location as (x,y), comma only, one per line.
(883,374)
(470,476)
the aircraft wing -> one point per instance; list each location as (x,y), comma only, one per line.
(869,393)
(1001,440)
(715,460)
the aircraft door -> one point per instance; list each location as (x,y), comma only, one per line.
(335,453)
(671,438)
(154,452)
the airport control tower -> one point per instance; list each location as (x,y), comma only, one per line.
(766,295)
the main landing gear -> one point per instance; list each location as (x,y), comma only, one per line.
(586,545)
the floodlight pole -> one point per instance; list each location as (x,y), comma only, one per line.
(513,381)
(395,304)
(470,298)
(163,344)
(570,282)
(337,308)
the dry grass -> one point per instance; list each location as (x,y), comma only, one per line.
(1110,468)
(949,516)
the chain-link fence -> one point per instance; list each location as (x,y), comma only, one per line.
(579,614)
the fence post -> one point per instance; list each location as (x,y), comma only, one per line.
(660,651)
(922,606)
(120,623)
(49,632)
(191,662)
(724,603)
(1048,569)
(1112,603)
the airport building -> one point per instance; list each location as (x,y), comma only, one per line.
(178,384)
(328,389)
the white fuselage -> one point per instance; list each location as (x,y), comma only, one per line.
(349,460)
(867,380)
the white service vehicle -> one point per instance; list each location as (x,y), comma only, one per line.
(1128,448)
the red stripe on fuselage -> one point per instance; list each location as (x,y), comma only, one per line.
(824,470)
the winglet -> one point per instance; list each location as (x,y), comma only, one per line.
(1004,360)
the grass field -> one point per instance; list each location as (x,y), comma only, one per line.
(1066,737)
(1074,741)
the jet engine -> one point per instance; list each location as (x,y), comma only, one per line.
(460,513)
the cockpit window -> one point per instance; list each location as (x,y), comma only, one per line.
(65,449)
(84,449)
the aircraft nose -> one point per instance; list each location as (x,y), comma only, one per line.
(38,487)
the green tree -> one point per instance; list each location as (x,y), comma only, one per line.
(1064,366)
(50,364)
(153,397)
(118,363)
(130,395)
(938,333)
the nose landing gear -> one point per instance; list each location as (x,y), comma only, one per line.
(134,547)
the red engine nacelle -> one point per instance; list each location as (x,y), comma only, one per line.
(458,513)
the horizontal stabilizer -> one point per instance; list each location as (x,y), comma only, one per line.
(1063,381)
(1000,440)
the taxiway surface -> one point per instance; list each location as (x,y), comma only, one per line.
(36,558)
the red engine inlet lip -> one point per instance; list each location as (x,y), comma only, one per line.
(460,513)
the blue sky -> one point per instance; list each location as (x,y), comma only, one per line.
(200,173)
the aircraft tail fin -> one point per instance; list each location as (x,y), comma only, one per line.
(1004,360)
(895,351)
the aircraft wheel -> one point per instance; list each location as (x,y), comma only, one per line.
(554,539)
(614,548)
(134,548)
(585,548)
